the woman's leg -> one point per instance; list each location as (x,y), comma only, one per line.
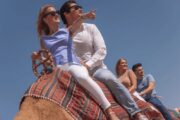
(81,75)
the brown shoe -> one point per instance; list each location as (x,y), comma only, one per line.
(110,114)
(140,116)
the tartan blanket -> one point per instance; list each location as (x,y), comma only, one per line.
(59,87)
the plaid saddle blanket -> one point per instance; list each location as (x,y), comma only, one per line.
(59,87)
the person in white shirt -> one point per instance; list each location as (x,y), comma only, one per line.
(91,49)
(59,43)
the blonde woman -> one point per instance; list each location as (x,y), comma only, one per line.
(127,77)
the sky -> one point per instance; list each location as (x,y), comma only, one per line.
(146,31)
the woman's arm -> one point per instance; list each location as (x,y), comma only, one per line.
(42,44)
(133,80)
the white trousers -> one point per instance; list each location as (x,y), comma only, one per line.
(81,74)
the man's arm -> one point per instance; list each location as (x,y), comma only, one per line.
(76,24)
(99,48)
(150,87)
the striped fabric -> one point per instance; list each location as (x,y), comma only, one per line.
(62,89)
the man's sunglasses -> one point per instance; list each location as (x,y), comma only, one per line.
(52,13)
(76,7)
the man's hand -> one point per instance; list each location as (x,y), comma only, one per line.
(141,93)
(89,15)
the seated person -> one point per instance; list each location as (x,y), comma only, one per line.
(146,88)
(59,43)
(91,49)
(127,77)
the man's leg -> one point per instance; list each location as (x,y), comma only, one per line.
(118,90)
(158,104)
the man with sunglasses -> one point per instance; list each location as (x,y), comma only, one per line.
(91,49)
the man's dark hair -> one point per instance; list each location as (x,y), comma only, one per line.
(65,8)
(135,66)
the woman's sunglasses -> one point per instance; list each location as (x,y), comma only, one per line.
(52,13)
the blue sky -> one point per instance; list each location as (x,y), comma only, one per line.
(146,31)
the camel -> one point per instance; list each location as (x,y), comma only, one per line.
(56,95)
(39,109)
(81,106)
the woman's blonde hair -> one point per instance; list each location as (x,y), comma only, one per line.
(117,64)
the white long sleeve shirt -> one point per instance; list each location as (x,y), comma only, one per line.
(90,46)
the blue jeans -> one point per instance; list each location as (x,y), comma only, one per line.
(158,104)
(118,90)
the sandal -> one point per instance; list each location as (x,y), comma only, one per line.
(110,114)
